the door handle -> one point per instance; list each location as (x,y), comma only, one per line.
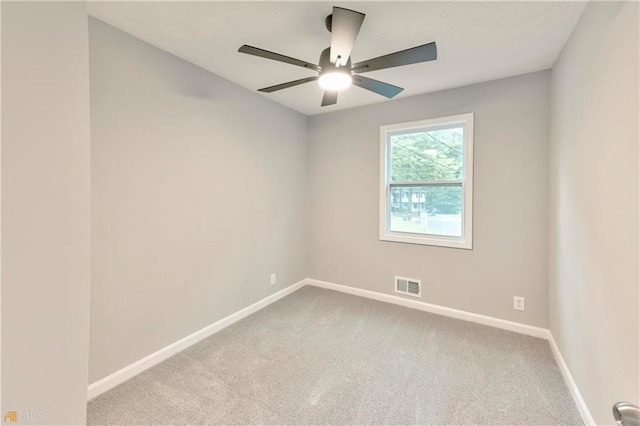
(626,414)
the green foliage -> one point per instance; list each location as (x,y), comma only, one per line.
(427,156)
(431,156)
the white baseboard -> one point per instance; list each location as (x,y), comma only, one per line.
(436,309)
(568,378)
(113,380)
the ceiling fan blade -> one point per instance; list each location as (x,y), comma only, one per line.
(424,53)
(384,89)
(345,26)
(287,85)
(329,98)
(255,51)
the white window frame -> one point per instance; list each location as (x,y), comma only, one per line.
(465,241)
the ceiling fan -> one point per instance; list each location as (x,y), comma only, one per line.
(336,72)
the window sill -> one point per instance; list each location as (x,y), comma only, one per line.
(430,240)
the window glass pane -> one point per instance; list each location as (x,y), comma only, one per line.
(427,155)
(433,210)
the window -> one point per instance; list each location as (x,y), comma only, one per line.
(426,182)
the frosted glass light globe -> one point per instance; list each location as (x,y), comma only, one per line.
(334,81)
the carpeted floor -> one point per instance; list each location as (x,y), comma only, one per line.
(322,357)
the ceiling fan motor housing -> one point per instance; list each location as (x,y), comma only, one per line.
(327,66)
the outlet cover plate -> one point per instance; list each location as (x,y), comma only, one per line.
(518,303)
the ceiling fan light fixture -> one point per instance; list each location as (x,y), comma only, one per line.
(335,71)
(335,80)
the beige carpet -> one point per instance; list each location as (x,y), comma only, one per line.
(322,357)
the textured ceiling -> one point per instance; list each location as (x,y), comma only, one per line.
(477,41)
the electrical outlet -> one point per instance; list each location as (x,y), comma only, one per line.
(518,303)
(273,279)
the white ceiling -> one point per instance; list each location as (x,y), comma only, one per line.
(477,41)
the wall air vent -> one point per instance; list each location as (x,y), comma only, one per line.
(408,286)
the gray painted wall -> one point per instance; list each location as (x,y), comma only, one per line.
(510,201)
(45,211)
(198,195)
(593,293)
